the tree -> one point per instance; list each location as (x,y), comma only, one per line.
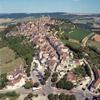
(62,96)
(36,84)
(54,77)
(12,94)
(64,84)
(30,95)
(87,69)
(28,85)
(56,96)
(3,80)
(80,71)
(47,74)
(68,85)
(28,71)
(51,96)
(73,97)
(67,97)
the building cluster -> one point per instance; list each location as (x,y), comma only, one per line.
(62,51)
(52,52)
(16,79)
(96,82)
(47,55)
(39,25)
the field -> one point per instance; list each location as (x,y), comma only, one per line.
(6,55)
(6,68)
(8,60)
(77,34)
(72,31)
(5,20)
(97,37)
(94,44)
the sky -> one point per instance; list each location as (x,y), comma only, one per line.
(39,6)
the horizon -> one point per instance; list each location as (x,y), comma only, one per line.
(78,13)
(44,6)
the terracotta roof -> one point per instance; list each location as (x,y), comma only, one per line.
(71,76)
(13,82)
(97,83)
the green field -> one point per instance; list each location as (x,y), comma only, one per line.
(79,34)
(71,31)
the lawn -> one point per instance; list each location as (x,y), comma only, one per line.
(8,60)
(6,68)
(6,55)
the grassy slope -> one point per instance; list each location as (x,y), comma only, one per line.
(6,55)
(6,68)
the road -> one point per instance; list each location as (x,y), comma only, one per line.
(92,74)
(84,41)
(47,89)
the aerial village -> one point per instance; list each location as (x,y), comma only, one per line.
(53,55)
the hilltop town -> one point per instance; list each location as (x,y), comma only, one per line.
(48,66)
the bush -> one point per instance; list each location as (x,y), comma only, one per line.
(12,95)
(53,96)
(73,97)
(64,84)
(80,71)
(62,96)
(3,80)
(87,69)
(36,84)
(54,77)
(47,74)
(28,85)
(30,95)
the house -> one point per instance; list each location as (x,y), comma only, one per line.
(16,78)
(71,77)
(16,83)
(96,83)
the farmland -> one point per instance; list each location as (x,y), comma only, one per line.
(6,55)
(6,68)
(71,31)
(94,44)
(77,34)
(8,60)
